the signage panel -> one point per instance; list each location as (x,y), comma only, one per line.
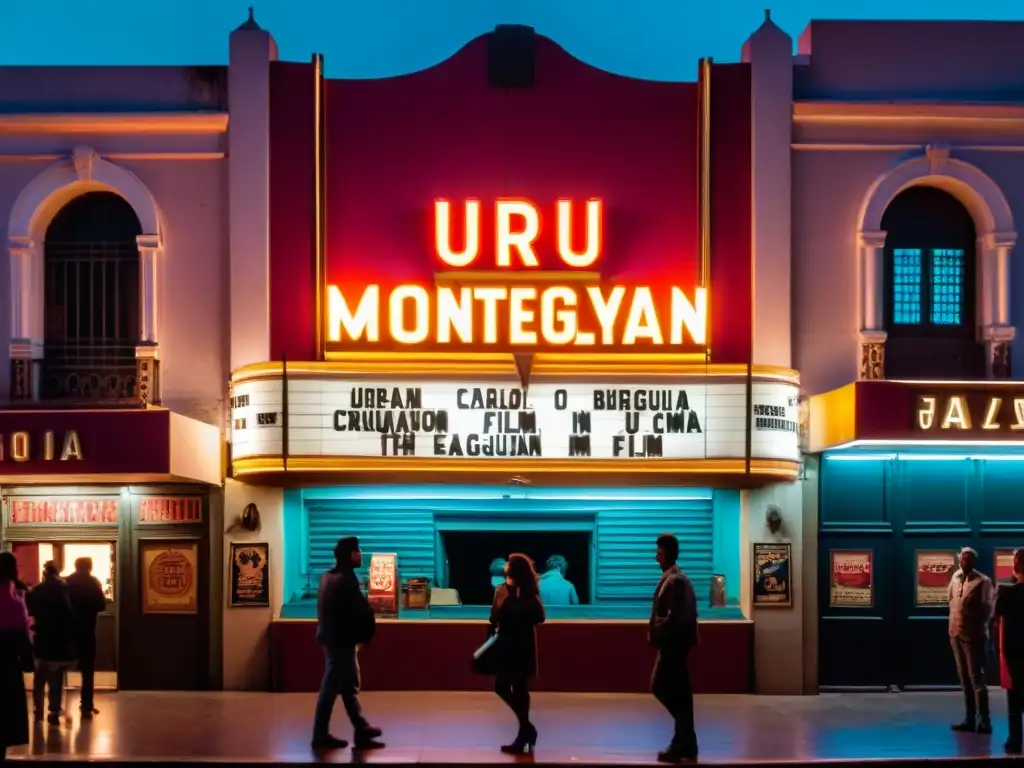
(964,412)
(84,442)
(344,417)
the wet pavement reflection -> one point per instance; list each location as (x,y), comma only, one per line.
(463,728)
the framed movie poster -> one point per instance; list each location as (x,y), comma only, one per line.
(772,582)
(935,569)
(250,574)
(1002,567)
(851,583)
(169,576)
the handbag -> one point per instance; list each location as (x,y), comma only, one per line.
(485,658)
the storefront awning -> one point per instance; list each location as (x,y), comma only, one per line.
(108,446)
(888,413)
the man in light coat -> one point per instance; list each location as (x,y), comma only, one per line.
(971,605)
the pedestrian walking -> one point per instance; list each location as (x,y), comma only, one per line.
(673,633)
(345,621)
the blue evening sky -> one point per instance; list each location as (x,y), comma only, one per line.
(658,39)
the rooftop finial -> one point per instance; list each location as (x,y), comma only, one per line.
(250,23)
(767,14)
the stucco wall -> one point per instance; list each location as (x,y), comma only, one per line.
(246,631)
(192,297)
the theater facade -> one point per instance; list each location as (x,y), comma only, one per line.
(906,300)
(112,401)
(511,307)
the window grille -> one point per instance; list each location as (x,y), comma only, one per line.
(91,272)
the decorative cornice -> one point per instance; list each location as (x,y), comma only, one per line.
(998,240)
(148,242)
(906,113)
(871,239)
(167,123)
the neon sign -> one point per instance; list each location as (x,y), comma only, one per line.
(567,308)
(967,412)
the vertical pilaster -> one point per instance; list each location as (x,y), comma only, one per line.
(994,328)
(26,339)
(872,335)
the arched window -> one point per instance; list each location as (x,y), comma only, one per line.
(930,287)
(91,268)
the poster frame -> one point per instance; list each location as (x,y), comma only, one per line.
(760,596)
(871,577)
(234,600)
(147,606)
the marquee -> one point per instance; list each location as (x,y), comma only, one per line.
(344,417)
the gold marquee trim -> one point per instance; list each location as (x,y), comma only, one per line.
(545,366)
(783,470)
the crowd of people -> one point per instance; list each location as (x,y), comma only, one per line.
(345,621)
(51,628)
(46,630)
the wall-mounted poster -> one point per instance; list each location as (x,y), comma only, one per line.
(169,576)
(1002,572)
(851,584)
(935,568)
(772,584)
(383,588)
(250,574)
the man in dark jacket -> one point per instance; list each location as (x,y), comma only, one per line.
(673,633)
(54,648)
(88,602)
(344,622)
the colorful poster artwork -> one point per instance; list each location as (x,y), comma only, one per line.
(1002,572)
(383,587)
(170,576)
(935,568)
(851,582)
(250,574)
(772,585)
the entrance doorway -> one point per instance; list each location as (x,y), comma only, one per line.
(32,555)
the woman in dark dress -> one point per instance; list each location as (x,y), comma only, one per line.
(1010,615)
(515,614)
(15,653)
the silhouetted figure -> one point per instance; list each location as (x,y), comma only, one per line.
(344,622)
(515,614)
(971,603)
(555,589)
(49,602)
(88,602)
(1010,614)
(15,657)
(673,633)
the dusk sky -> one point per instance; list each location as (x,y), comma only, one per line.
(658,39)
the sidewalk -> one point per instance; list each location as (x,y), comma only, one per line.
(467,728)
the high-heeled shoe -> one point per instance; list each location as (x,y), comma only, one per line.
(525,742)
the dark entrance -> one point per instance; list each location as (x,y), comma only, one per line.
(469,554)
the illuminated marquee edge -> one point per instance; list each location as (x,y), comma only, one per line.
(546,367)
(295,465)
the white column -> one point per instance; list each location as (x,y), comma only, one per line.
(993,317)
(19,250)
(872,271)
(149,285)
(871,254)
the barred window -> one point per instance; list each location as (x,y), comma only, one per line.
(91,272)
